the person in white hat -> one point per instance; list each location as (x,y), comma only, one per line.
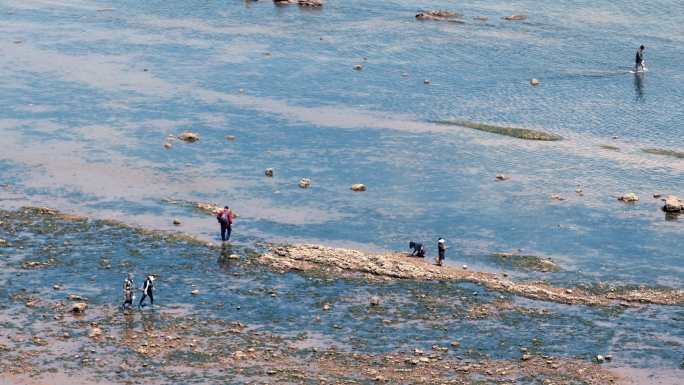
(441,248)
(147,290)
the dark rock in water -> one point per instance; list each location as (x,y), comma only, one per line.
(310,3)
(437,15)
(527,262)
(520,133)
(629,197)
(659,151)
(673,204)
(269,172)
(189,137)
(79,307)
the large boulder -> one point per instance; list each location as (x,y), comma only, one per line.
(629,197)
(673,204)
(305,183)
(189,137)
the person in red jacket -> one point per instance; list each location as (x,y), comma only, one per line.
(225,219)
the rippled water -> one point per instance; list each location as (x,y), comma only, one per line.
(91,90)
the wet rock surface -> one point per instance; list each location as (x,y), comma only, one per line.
(336,262)
(245,324)
(516,132)
(437,15)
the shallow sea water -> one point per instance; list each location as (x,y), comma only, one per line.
(92,88)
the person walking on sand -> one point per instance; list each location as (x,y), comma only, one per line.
(147,289)
(225,219)
(128,288)
(441,248)
(639,65)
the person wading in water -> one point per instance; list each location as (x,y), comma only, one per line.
(147,289)
(128,288)
(639,64)
(225,219)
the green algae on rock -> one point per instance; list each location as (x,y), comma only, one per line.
(527,262)
(516,132)
(660,151)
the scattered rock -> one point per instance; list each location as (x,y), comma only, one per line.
(195,292)
(656,196)
(230,138)
(269,172)
(234,257)
(437,15)
(176,221)
(525,357)
(534,82)
(481,18)
(375,301)
(305,183)
(502,177)
(556,197)
(74,297)
(358,187)
(79,307)
(599,358)
(358,67)
(673,204)
(189,137)
(455,344)
(326,306)
(515,17)
(56,287)
(95,332)
(167,145)
(629,197)
(426,81)
(310,3)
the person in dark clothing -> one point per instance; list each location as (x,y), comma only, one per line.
(418,250)
(441,248)
(225,219)
(147,290)
(128,289)
(639,65)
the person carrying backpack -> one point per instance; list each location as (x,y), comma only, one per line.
(225,219)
